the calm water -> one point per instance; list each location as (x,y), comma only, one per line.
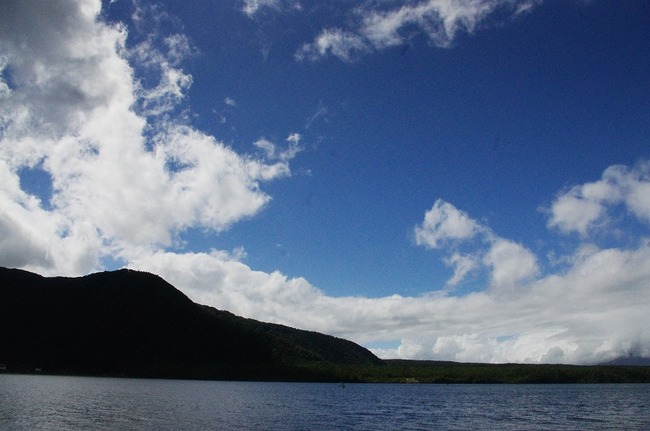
(76,403)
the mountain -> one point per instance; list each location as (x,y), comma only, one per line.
(135,324)
(131,323)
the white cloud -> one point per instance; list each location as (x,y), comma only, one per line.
(634,184)
(445,226)
(572,212)
(272,153)
(586,313)
(267,146)
(583,316)
(444,222)
(221,280)
(439,19)
(584,208)
(179,48)
(294,147)
(20,243)
(294,138)
(510,263)
(589,314)
(173,83)
(170,90)
(379,28)
(463,264)
(116,190)
(251,7)
(342,44)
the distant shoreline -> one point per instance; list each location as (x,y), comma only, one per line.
(425,372)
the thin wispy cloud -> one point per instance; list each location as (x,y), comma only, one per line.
(383,25)
(272,152)
(252,7)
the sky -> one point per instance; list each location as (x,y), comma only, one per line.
(463,180)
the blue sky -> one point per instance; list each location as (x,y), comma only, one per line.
(432,179)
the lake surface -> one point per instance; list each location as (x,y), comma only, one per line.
(76,403)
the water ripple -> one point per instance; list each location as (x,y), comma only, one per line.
(73,403)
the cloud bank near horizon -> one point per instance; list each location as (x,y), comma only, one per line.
(128,174)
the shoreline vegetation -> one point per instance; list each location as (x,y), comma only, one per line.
(408,372)
(134,324)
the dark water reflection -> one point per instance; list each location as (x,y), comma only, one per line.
(74,403)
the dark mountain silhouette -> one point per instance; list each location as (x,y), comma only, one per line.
(132,323)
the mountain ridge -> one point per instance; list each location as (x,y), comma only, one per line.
(133,323)
(129,323)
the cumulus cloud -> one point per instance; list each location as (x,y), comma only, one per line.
(124,176)
(510,263)
(588,312)
(445,226)
(444,222)
(585,207)
(584,313)
(383,25)
(587,315)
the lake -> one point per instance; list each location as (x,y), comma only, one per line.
(38,402)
